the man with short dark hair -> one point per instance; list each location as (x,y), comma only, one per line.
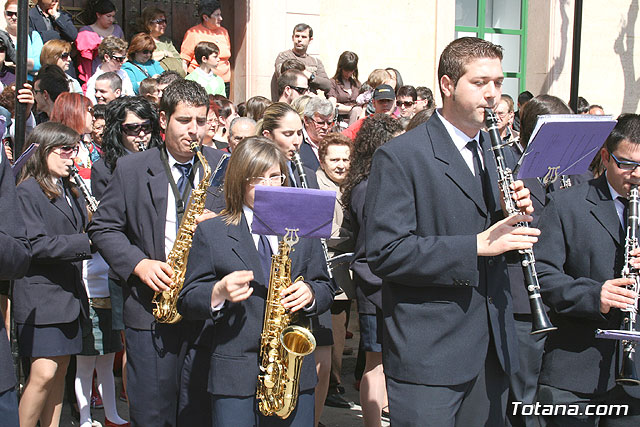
(406,101)
(580,258)
(291,85)
(383,102)
(441,261)
(135,229)
(50,82)
(314,70)
(108,86)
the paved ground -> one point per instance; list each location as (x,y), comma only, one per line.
(331,417)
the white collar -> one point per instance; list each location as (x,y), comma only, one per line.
(460,139)
(173,161)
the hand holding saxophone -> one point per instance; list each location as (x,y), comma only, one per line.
(234,287)
(297,296)
(155,274)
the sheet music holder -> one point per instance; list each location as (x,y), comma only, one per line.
(19,163)
(563,144)
(276,209)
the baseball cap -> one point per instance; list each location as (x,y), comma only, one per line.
(384,92)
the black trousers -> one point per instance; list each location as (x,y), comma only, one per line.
(479,402)
(153,363)
(548,395)
(194,406)
(523,385)
(243,411)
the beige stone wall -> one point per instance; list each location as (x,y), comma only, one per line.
(407,35)
(609,60)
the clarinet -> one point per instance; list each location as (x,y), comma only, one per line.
(303,183)
(540,322)
(92,203)
(628,374)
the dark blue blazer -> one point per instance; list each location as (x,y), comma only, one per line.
(580,247)
(14,258)
(63,27)
(368,285)
(52,291)
(130,222)
(100,176)
(219,249)
(308,157)
(441,302)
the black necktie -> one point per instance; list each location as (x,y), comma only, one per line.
(185,171)
(625,212)
(264,250)
(292,170)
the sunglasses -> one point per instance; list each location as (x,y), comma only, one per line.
(3,48)
(11,14)
(300,90)
(133,129)
(159,21)
(120,59)
(405,104)
(67,151)
(64,55)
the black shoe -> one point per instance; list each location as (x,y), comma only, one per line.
(336,401)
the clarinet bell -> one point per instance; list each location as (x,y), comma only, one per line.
(628,374)
(540,322)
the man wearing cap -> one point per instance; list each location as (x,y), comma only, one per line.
(383,102)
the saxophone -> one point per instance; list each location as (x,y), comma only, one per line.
(282,346)
(165,310)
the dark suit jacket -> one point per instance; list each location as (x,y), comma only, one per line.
(368,285)
(440,300)
(100,176)
(581,247)
(219,249)
(63,27)
(308,157)
(14,258)
(52,291)
(130,222)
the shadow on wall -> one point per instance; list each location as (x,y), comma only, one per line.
(623,47)
(558,63)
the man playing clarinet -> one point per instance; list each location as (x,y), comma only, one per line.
(436,235)
(580,257)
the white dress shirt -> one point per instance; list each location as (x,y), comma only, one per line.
(170,226)
(460,140)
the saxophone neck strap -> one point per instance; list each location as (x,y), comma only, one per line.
(180,199)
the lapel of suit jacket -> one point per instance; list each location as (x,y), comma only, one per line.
(245,248)
(457,170)
(604,209)
(158,185)
(65,208)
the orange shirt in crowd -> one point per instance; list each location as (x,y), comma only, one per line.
(219,36)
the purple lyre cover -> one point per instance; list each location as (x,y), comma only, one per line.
(564,144)
(277,208)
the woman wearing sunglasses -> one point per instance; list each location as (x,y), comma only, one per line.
(58,52)
(50,300)
(154,22)
(112,51)
(140,64)
(34,40)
